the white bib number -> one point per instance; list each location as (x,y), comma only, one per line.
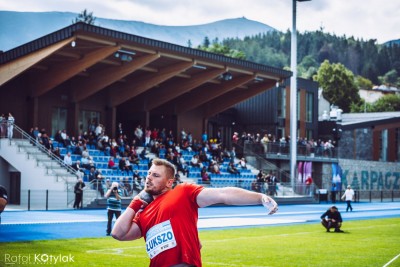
(160,238)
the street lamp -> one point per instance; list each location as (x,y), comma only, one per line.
(293,96)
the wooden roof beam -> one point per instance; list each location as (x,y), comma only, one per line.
(13,68)
(203,95)
(165,94)
(131,90)
(105,77)
(62,72)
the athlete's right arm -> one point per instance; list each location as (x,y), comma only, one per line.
(125,229)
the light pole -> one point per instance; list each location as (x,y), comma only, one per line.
(293,96)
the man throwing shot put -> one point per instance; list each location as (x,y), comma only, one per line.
(167,218)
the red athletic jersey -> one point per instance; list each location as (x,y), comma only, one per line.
(176,209)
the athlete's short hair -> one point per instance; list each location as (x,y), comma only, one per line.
(171,169)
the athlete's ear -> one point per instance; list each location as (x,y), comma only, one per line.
(170,183)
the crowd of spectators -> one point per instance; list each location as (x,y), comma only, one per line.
(280,145)
(209,154)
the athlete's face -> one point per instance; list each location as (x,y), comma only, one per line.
(157,180)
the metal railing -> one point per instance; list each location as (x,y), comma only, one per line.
(283,149)
(34,149)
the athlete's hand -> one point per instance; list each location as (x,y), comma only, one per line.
(269,204)
(145,197)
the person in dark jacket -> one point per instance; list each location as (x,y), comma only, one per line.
(78,190)
(3,199)
(332,219)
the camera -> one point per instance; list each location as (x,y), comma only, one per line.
(115,188)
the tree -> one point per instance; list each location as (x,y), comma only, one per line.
(223,50)
(389,102)
(85,17)
(363,83)
(391,78)
(337,84)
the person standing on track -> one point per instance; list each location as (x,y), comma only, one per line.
(167,218)
(348,196)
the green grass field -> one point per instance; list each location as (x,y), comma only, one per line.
(364,243)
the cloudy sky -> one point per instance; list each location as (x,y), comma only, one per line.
(367,19)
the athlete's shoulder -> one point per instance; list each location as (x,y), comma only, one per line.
(186,185)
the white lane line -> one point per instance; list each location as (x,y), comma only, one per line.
(232,222)
(392,260)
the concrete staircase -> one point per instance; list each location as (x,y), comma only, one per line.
(41,175)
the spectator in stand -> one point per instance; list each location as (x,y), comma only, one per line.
(328,148)
(67,159)
(85,163)
(128,166)
(85,152)
(264,141)
(181,164)
(154,134)
(195,161)
(143,153)
(190,138)
(3,126)
(163,136)
(58,138)
(137,181)
(99,130)
(235,138)
(127,187)
(170,136)
(233,154)
(243,163)
(99,184)
(214,167)
(147,137)
(111,164)
(122,165)
(80,171)
(205,177)
(120,131)
(92,177)
(64,138)
(45,140)
(78,190)
(91,163)
(183,134)
(57,153)
(232,169)
(203,157)
(204,138)
(138,135)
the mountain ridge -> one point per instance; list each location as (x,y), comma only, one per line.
(27,26)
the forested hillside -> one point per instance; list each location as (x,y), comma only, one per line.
(378,63)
